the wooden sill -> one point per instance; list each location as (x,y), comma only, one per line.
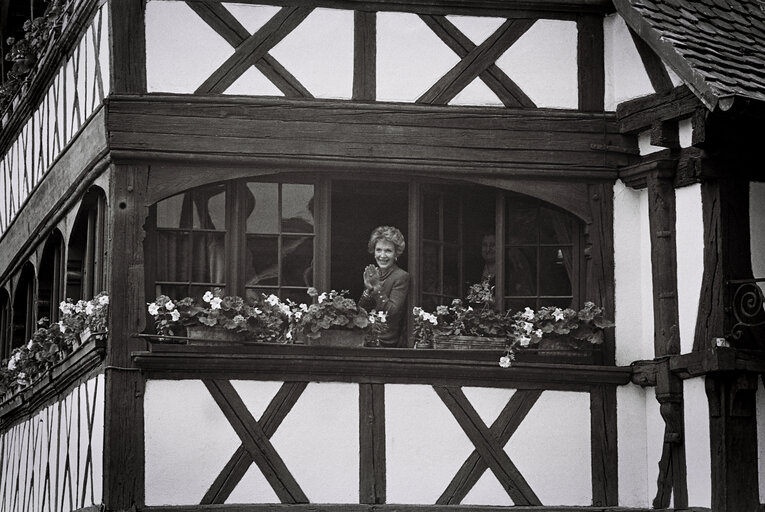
(370,365)
(54,382)
(697,364)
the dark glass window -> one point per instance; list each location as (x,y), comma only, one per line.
(23,308)
(50,279)
(83,265)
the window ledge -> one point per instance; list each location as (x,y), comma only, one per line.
(53,382)
(370,365)
(697,364)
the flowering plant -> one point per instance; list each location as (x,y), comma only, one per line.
(52,342)
(264,318)
(335,309)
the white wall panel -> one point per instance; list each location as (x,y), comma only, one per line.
(697,447)
(625,75)
(690,260)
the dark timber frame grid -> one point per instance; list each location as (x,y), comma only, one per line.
(572,166)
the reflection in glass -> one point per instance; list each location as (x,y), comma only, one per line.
(562,302)
(169,212)
(172,250)
(297,258)
(521,223)
(520,271)
(297,208)
(451,272)
(431,268)
(430,217)
(208,258)
(451,219)
(554,271)
(554,227)
(262,261)
(264,214)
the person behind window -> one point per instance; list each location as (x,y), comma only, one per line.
(386,285)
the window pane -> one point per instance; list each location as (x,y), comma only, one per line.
(429,302)
(297,260)
(555,268)
(521,222)
(173,291)
(451,219)
(520,271)
(257,293)
(208,258)
(172,255)
(451,272)
(558,303)
(297,295)
(430,217)
(264,215)
(210,208)
(169,212)
(262,261)
(516,305)
(431,268)
(554,227)
(297,208)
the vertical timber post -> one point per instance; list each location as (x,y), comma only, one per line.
(123,485)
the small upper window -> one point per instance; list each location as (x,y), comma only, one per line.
(23,308)
(50,278)
(86,242)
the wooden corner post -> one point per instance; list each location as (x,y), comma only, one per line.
(123,479)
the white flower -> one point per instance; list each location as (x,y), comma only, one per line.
(304,308)
(89,309)
(208,296)
(29,345)
(65,307)
(558,314)
(528,327)
(289,335)
(431,318)
(382,315)
(470,308)
(175,316)
(169,305)
(22,375)
(525,341)
(103,300)
(538,333)
(527,314)
(322,297)
(417,311)
(12,363)
(285,309)
(153,309)
(272,299)
(215,303)
(505,361)
(238,318)
(298,314)
(257,311)
(80,306)
(61,327)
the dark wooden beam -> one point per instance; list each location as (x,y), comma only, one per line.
(642,113)
(512,142)
(364,56)
(302,363)
(372,462)
(590,66)
(123,410)
(506,90)
(733,438)
(605,453)
(662,165)
(319,507)
(654,67)
(698,364)
(475,62)
(128,47)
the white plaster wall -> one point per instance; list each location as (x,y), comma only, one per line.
(551,448)
(757,228)
(690,260)
(625,75)
(55,441)
(632,439)
(188,441)
(632,275)
(697,450)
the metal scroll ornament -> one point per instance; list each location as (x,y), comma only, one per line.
(747,305)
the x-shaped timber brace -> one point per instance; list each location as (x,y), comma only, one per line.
(252,50)
(256,446)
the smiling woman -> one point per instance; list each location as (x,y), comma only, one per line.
(386,285)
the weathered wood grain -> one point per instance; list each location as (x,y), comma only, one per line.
(604,444)
(364,55)
(590,66)
(654,66)
(372,462)
(641,113)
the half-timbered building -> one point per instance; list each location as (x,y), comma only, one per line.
(611,147)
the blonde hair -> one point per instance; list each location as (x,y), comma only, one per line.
(388,234)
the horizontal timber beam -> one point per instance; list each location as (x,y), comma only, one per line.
(553,8)
(642,113)
(398,508)
(697,364)
(538,143)
(337,364)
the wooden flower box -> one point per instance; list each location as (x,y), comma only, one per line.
(468,343)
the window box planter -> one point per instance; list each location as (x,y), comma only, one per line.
(337,338)
(204,335)
(469,343)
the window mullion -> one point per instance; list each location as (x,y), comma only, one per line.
(499,251)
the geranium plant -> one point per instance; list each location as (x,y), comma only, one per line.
(335,310)
(52,342)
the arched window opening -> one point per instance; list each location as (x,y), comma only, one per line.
(50,279)
(5,318)
(23,308)
(86,241)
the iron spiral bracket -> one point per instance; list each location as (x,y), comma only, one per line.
(746,305)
